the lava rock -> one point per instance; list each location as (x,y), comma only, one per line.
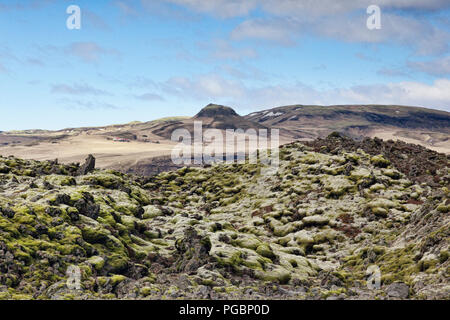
(398,290)
(7,212)
(88,166)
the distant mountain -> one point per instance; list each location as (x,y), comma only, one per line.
(150,145)
(352,116)
(427,127)
(430,127)
(212,116)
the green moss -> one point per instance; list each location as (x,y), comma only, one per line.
(117,263)
(337,186)
(266,251)
(278,274)
(443,208)
(106,217)
(145,291)
(378,211)
(377,187)
(60,180)
(5,296)
(21,297)
(247,242)
(395,264)
(129,222)
(428,262)
(443,256)
(23,215)
(102,281)
(380,161)
(94,234)
(105,180)
(352,157)
(116,279)
(283,230)
(393,174)
(97,262)
(310,158)
(23,256)
(71,213)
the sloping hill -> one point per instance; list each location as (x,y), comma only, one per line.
(212,116)
(426,126)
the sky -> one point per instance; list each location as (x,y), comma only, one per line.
(140,60)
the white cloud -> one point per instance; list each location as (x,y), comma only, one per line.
(313,9)
(3,69)
(393,72)
(436,67)
(7,54)
(77,89)
(78,104)
(149,97)
(243,72)
(220,8)
(35,62)
(95,20)
(126,8)
(222,49)
(403,21)
(435,95)
(276,30)
(207,87)
(309,9)
(414,32)
(21,5)
(415,4)
(89,51)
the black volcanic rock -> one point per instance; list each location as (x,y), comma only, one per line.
(417,162)
(214,110)
(88,166)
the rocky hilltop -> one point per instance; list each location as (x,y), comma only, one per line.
(213,110)
(212,116)
(311,231)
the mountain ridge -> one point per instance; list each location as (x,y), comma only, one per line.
(152,139)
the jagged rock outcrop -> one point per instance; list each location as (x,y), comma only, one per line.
(88,166)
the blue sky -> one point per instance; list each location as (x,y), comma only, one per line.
(146,59)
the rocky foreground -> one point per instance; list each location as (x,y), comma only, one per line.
(311,231)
